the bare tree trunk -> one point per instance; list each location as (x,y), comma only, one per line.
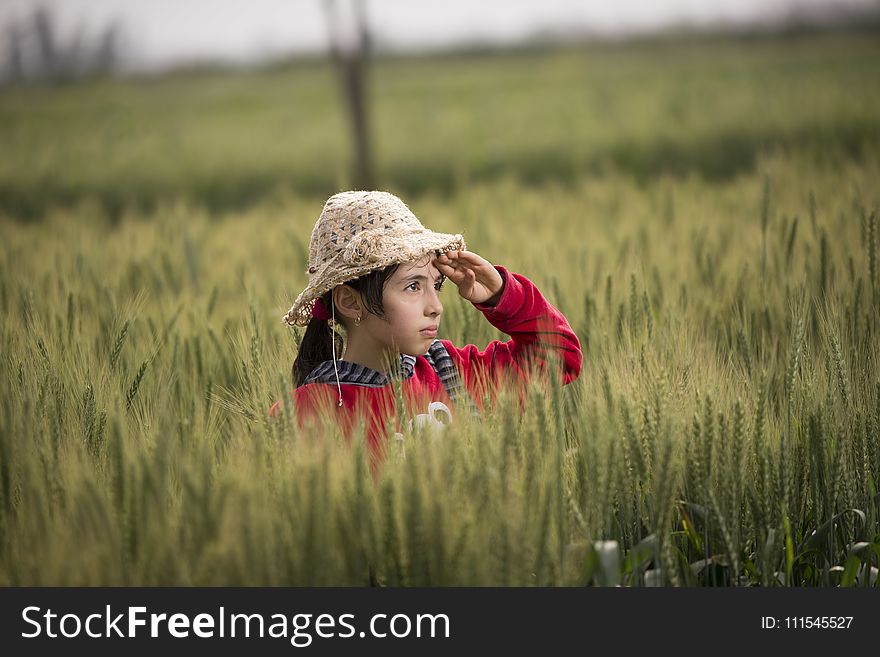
(106,55)
(52,59)
(16,66)
(46,41)
(351,61)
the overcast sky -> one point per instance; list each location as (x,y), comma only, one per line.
(162,32)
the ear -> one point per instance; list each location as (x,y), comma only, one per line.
(348,302)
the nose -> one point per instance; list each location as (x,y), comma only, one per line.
(433,308)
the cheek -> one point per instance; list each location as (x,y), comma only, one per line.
(393,307)
(399,311)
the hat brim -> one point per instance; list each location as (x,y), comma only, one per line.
(395,249)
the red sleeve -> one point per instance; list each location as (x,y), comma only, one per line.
(539,332)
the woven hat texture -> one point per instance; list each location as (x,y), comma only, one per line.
(359,232)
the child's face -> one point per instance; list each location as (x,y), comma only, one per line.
(411,300)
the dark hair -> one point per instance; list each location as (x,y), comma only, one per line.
(316,346)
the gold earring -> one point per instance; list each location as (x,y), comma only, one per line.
(357,320)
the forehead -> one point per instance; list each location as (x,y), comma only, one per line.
(423,266)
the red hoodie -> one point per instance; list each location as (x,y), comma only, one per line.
(456,377)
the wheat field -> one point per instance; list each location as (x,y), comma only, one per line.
(724,429)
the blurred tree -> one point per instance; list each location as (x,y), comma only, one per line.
(16,67)
(108,49)
(46,41)
(34,50)
(349,40)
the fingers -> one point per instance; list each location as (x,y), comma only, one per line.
(445,268)
(466,270)
(463,271)
(463,259)
(456,276)
(468,256)
(453,270)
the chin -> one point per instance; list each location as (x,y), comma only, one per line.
(418,350)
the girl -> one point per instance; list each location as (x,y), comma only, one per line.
(377,271)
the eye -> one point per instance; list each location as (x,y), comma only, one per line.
(410,286)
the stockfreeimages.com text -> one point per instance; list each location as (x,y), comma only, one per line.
(301,629)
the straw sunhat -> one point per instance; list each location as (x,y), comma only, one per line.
(360,232)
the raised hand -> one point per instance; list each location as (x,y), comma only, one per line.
(477,280)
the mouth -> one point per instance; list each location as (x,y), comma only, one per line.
(430,331)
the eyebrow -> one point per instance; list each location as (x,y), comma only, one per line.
(422,277)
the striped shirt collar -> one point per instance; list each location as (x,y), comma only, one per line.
(361,375)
